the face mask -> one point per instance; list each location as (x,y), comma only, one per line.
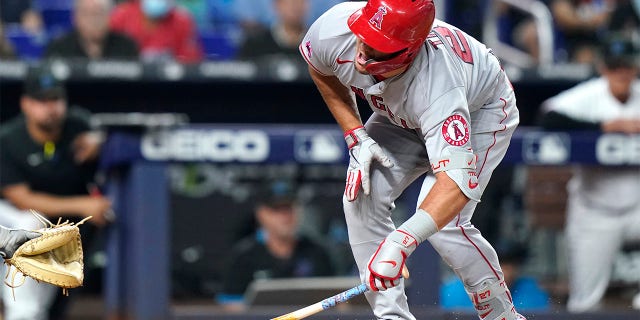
(155,9)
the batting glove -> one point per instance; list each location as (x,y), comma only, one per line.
(362,151)
(385,266)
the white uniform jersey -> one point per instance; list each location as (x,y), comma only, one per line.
(592,101)
(452,78)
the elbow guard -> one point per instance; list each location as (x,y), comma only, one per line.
(460,166)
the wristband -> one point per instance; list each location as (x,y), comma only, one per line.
(353,136)
(421,226)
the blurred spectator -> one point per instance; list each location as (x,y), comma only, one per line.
(255,15)
(285,34)
(580,24)
(526,292)
(21,12)
(47,158)
(603,209)
(162,30)
(276,250)
(518,29)
(6,49)
(91,37)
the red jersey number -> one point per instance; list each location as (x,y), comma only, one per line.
(457,42)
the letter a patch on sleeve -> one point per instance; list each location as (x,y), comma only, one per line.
(455,130)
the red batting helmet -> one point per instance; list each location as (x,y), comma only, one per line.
(391,26)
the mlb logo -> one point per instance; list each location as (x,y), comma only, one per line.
(546,148)
(313,146)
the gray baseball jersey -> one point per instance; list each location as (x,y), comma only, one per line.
(452,110)
(603,208)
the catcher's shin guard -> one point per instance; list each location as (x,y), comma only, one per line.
(493,301)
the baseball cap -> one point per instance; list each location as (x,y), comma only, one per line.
(277,193)
(41,84)
(620,51)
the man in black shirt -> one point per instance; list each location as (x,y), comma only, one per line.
(91,37)
(47,160)
(276,250)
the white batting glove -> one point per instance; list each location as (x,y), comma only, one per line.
(385,266)
(362,151)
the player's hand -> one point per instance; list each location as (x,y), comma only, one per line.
(362,151)
(98,207)
(385,266)
(11,239)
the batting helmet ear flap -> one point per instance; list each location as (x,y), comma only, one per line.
(393,25)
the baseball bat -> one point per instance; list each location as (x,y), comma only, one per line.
(331,301)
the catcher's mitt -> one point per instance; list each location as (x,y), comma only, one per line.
(55,257)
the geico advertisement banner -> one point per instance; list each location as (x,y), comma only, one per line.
(618,149)
(324,144)
(245,145)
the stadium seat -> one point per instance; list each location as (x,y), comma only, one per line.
(27,45)
(57,20)
(217,45)
(43,4)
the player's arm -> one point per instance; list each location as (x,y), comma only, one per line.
(362,149)
(23,197)
(339,100)
(444,201)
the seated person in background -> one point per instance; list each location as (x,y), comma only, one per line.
(6,49)
(603,208)
(21,12)
(47,159)
(580,24)
(526,293)
(91,37)
(276,250)
(285,34)
(162,30)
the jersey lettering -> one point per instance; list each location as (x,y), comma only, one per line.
(359,92)
(456,41)
(377,103)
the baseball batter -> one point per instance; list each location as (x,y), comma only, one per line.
(442,106)
(603,209)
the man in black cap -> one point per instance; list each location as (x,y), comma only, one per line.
(47,159)
(276,250)
(603,209)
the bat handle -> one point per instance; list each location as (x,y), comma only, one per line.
(331,301)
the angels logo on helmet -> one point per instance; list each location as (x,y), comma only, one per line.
(376,20)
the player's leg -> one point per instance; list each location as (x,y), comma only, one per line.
(369,217)
(459,243)
(594,238)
